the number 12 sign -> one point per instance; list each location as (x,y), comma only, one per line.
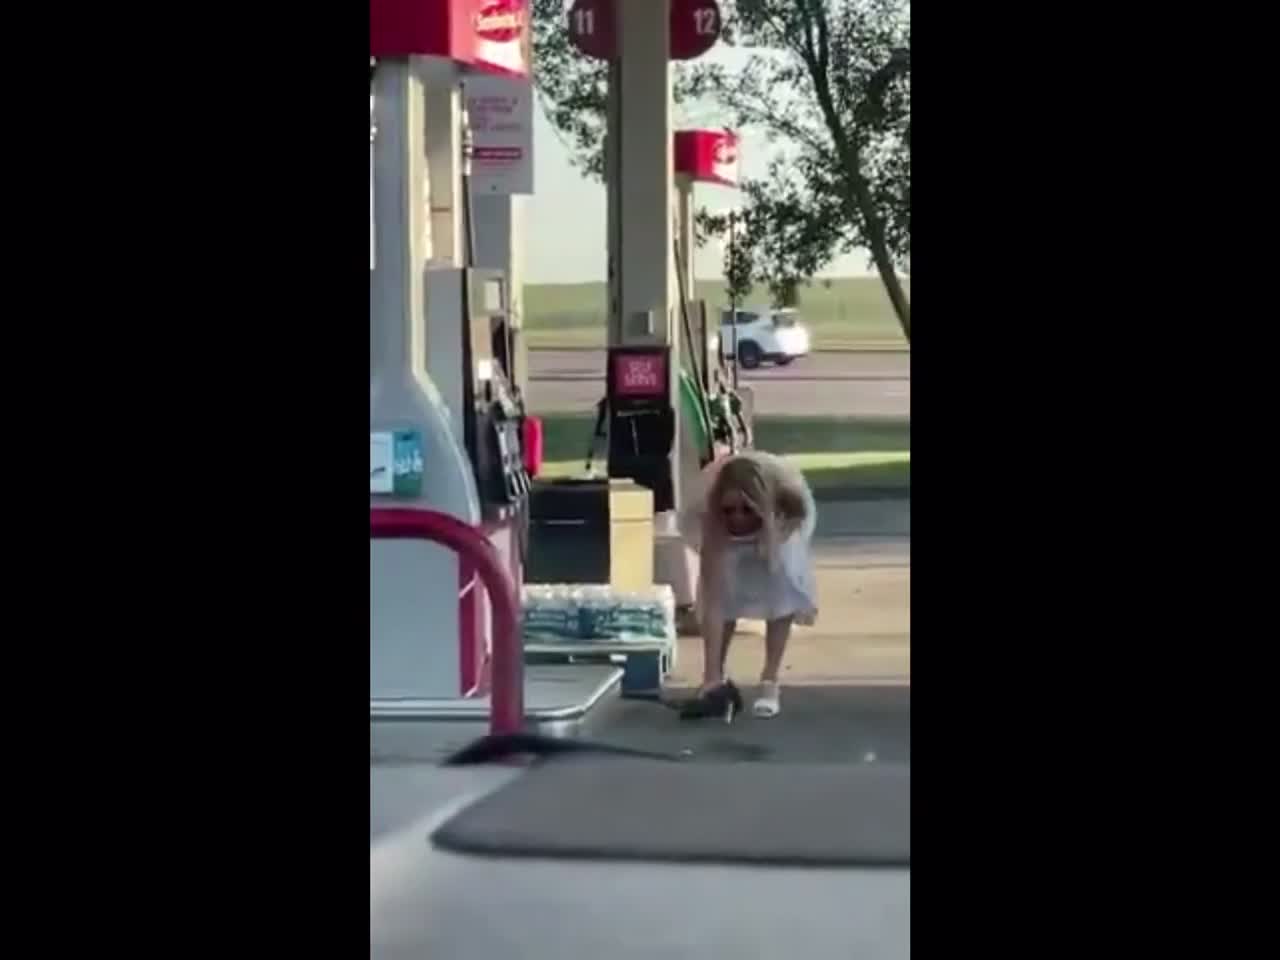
(694,28)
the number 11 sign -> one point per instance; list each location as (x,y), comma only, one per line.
(592,29)
(694,28)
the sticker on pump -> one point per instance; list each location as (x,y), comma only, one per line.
(396,463)
(407,481)
(381,463)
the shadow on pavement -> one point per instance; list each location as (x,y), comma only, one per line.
(818,724)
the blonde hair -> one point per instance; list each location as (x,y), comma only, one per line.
(748,478)
(776,497)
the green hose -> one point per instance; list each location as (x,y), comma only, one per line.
(695,413)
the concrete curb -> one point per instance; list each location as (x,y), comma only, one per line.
(860,494)
(850,517)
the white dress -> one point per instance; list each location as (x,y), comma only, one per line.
(751,590)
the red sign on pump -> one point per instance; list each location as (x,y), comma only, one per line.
(640,374)
(707,156)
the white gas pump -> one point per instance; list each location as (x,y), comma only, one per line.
(415,609)
(429,636)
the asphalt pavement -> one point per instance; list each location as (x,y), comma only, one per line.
(866,384)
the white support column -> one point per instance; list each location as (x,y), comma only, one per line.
(444,160)
(399,222)
(644,298)
(645,202)
(500,246)
(613,202)
(684,236)
(519,210)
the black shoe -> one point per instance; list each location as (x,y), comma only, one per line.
(722,701)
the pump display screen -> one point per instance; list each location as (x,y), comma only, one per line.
(493,296)
(640,374)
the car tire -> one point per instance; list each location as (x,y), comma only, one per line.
(749,354)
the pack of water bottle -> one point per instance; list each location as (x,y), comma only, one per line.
(596,613)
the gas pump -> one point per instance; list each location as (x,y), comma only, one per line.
(492,431)
(466,314)
(707,156)
(410,426)
(642,420)
(444,426)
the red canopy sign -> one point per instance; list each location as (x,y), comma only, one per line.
(489,35)
(694,28)
(707,156)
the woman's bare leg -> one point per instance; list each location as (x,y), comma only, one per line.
(776,634)
(715,652)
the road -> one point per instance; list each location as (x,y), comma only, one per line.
(873,384)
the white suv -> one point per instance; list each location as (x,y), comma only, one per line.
(777,335)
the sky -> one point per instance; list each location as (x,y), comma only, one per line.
(573,250)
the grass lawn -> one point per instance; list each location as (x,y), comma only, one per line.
(854,313)
(840,456)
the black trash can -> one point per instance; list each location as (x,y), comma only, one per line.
(568,532)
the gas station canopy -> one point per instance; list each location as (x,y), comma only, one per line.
(489,35)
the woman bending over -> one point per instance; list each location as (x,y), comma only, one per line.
(753,528)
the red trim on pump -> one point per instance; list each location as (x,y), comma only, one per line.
(531,440)
(506,710)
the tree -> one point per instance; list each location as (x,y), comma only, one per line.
(572,90)
(829,82)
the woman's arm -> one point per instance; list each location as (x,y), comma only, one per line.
(791,503)
(692,519)
(792,508)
